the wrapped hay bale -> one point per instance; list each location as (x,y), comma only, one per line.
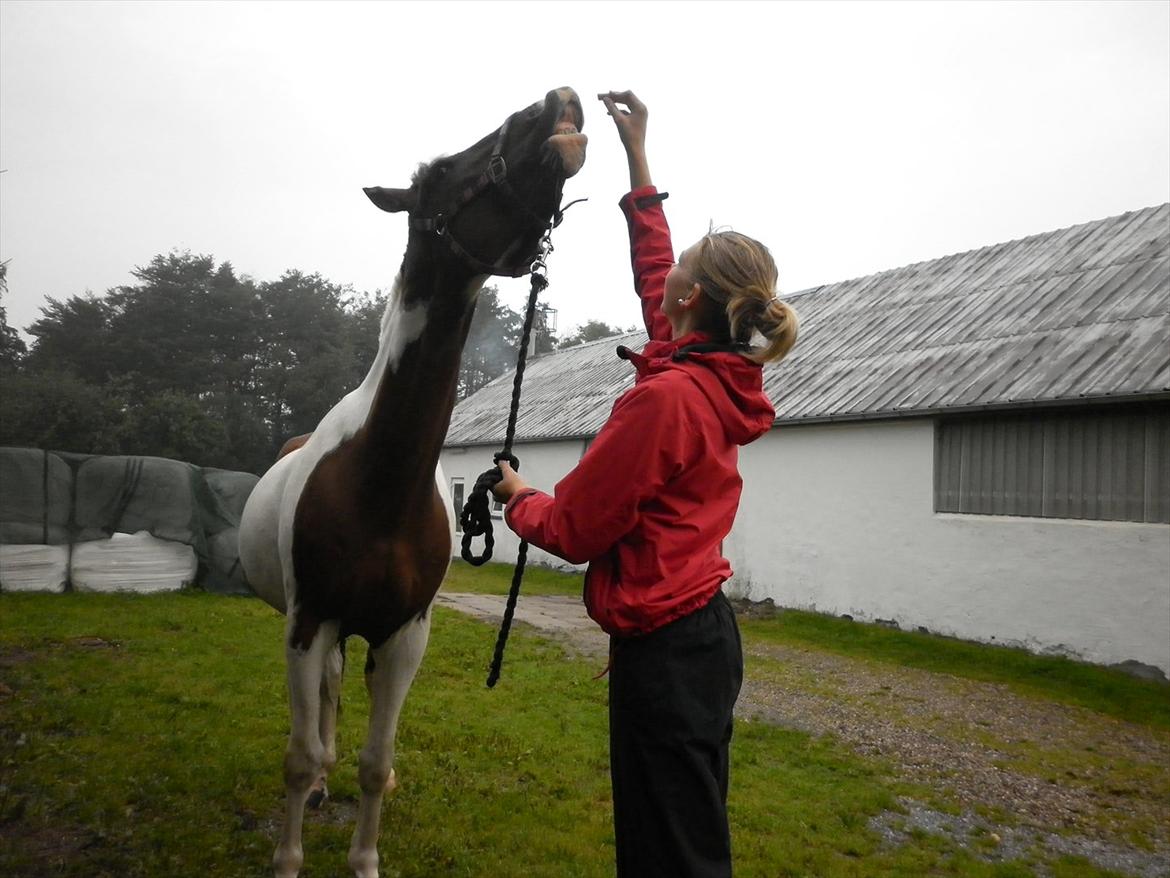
(36,500)
(136,523)
(131,494)
(227,492)
(132,562)
(33,567)
(36,497)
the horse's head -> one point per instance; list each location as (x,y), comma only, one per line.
(487,207)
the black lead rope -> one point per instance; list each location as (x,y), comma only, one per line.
(476,519)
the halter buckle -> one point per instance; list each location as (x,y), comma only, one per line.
(497,169)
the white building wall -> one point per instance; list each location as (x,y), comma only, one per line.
(839,518)
(542,464)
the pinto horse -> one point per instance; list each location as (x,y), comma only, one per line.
(349,532)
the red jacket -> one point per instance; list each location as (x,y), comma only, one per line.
(650,502)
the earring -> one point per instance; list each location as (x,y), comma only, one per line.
(680,301)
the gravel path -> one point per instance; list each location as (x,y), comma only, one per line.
(1024,773)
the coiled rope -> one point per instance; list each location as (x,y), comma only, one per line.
(476,519)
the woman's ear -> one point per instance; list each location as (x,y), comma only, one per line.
(693,297)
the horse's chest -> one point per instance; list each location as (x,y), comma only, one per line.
(370,563)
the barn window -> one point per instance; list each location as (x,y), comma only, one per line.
(1103,464)
(457,502)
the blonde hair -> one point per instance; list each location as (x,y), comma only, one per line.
(738,272)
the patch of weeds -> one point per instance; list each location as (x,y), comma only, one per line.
(1104,690)
(994,814)
(776,672)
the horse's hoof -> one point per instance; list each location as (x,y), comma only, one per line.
(287,862)
(364,864)
(391,782)
(318,796)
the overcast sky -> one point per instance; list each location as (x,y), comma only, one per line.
(850,138)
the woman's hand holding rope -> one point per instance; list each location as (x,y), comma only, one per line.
(510,485)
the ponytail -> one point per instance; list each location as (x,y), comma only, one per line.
(739,273)
(778,324)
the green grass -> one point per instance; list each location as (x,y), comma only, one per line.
(497,579)
(1106,691)
(1097,688)
(143,736)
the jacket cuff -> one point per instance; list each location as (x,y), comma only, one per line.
(516,498)
(641,198)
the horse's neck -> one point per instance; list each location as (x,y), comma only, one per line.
(413,381)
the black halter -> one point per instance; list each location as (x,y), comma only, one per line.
(495,175)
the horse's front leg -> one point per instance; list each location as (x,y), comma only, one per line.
(390,670)
(331,679)
(305,757)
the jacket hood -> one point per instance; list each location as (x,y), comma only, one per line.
(733,384)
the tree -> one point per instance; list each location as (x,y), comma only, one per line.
(194,361)
(59,411)
(365,316)
(184,332)
(186,326)
(189,330)
(12,347)
(175,425)
(591,330)
(490,350)
(73,336)
(308,358)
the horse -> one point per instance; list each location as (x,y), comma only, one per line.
(349,532)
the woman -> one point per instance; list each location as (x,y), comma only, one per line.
(648,507)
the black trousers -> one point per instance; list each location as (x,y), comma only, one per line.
(671,695)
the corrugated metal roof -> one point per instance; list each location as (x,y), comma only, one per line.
(1078,314)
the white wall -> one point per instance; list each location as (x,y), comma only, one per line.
(839,518)
(542,465)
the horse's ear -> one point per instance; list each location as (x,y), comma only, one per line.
(392,200)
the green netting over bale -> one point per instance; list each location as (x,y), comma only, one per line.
(228,492)
(59,498)
(36,495)
(132,494)
(231,490)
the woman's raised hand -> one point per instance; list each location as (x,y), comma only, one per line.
(631,122)
(631,126)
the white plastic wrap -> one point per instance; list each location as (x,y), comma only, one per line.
(33,567)
(132,562)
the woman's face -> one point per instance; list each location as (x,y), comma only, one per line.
(680,284)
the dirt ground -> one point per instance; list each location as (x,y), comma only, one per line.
(1003,775)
